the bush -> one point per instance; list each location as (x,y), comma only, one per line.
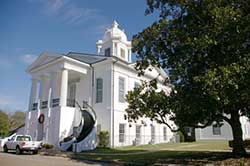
(103,139)
(47,146)
(180,134)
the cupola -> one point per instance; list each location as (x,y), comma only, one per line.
(115,43)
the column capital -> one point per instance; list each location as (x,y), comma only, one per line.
(34,79)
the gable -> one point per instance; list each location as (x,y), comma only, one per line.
(43,59)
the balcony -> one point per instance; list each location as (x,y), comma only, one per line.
(34,106)
(55,102)
(44,104)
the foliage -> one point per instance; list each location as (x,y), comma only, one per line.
(47,146)
(204,46)
(4,124)
(103,139)
(181,136)
(17,119)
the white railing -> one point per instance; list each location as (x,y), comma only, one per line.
(89,142)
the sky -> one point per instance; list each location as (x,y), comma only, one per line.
(30,27)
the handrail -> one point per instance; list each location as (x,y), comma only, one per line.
(88,106)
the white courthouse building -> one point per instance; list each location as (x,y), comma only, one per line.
(62,81)
(100,81)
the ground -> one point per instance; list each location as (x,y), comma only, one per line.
(197,153)
(11,159)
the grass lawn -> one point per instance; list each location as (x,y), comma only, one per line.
(197,153)
(193,146)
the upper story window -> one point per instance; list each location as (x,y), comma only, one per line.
(121,89)
(128,55)
(107,52)
(165,133)
(122,53)
(99,90)
(216,129)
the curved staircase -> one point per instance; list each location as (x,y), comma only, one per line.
(84,137)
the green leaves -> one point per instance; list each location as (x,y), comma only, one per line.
(204,44)
(4,124)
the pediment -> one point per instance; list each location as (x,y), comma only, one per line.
(43,59)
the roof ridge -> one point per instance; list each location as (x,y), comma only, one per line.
(85,54)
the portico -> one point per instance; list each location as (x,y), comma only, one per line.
(53,94)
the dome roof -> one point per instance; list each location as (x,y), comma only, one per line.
(114,32)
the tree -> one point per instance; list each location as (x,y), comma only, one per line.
(4,124)
(16,120)
(204,46)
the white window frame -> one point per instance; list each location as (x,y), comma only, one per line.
(122,132)
(138,134)
(152,128)
(121,90)
(216,129)
(165,133)
(122,53)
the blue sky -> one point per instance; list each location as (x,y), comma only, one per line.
(30,27)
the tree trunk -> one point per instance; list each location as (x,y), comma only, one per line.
(238,144)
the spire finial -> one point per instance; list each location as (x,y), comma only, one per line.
(115,24)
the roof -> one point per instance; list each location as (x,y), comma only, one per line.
(115,32)
(86,58)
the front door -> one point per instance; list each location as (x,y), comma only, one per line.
(72,95)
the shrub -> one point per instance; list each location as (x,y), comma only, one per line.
(180,134)
(47,146)
(103,139)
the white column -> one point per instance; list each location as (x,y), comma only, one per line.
(64,88)
(129,55)
(33,93)
(52,86)
(41,88)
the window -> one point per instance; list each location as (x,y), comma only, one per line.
(121,89)
(136,85)
(99,88)
(23,138)
(216,129)
(165,133)
(152,133)
(107,52)
(138,133)
(71,95)
(122,53)
(121,133)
